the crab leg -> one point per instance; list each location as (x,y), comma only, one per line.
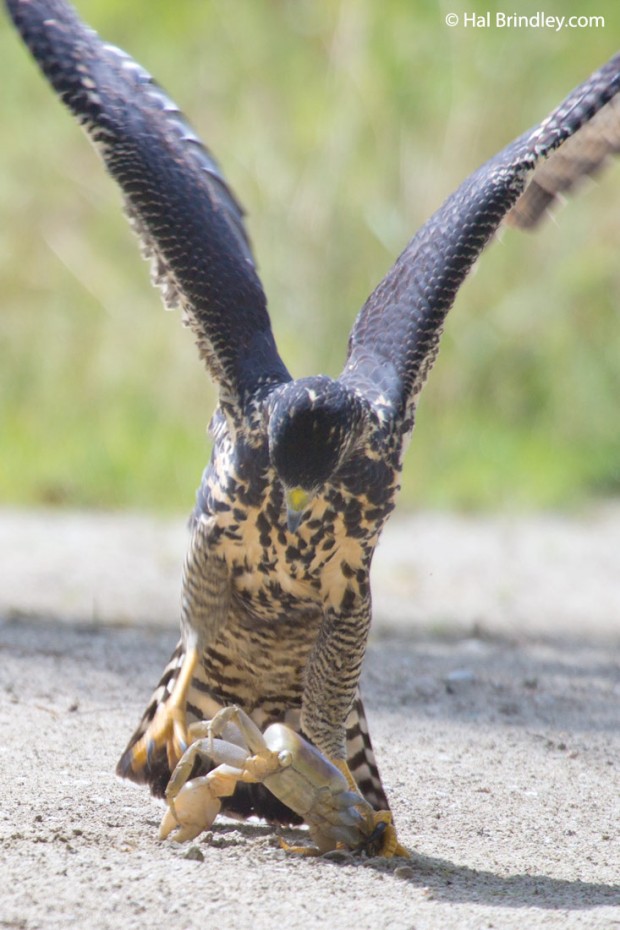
(194,805)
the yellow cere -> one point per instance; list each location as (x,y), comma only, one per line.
(297,499)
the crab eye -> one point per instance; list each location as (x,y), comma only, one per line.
(285,758)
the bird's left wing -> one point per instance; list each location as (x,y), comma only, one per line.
(178,202)
(395,338)
(583,155)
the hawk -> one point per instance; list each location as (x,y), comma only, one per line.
(276,603)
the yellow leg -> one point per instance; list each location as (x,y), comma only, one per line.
(390,846)
(169,725)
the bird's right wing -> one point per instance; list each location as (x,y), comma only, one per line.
(178,202)
(395,338)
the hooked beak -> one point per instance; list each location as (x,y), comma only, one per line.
(296,502)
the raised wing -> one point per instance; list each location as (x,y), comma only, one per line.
(178,202)
(395,338)
(580,157)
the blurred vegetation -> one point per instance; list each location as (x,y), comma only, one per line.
(341,125)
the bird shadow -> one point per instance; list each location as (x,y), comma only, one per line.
(453,883)
(442,880)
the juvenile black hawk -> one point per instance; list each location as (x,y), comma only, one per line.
(276,599)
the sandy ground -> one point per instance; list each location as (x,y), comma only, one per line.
(493,689)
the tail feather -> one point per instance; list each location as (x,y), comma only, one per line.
(361,758)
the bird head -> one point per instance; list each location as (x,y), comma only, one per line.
(313,424)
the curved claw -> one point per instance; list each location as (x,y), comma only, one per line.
(383,840)
(167,730)
(379,835)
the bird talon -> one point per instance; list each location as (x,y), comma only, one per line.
(383,840)
(168,731)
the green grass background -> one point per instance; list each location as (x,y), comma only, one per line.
(341,125)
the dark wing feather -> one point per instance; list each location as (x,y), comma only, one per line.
(395,338)
(177,199)
(581,156)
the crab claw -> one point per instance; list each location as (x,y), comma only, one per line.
(193,810)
